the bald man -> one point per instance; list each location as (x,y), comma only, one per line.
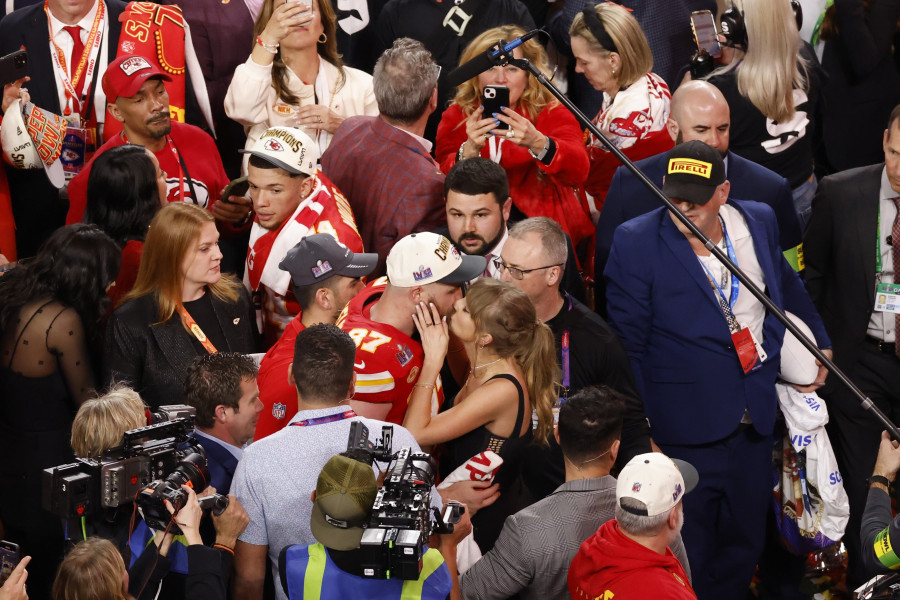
(699,112)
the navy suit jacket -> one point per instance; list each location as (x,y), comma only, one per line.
(664,310)
(220,462)
(629,198)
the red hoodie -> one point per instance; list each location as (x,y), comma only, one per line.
(609,565)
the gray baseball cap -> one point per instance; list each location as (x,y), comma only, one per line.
(319,256)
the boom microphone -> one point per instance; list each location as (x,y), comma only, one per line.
(486,60)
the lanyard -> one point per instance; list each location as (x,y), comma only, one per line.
(878,244)
(495,148)
(814,38)
(87,62)
(188,320)
(182,169)
(326,419)
(565,360)
(735,284)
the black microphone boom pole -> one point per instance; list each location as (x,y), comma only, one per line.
(497,54)
(867,403)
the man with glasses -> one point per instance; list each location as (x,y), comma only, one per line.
(478,206)
(587,350)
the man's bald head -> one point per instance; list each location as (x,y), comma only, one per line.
(700,112)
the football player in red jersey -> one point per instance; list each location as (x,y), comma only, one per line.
(421,267)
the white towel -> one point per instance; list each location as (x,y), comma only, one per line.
(481,467)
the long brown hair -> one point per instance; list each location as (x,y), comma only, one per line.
(93,570)
(173,235)
(506,313)
(327,51)
(535,97)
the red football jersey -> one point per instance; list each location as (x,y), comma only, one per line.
(278,396)
(388,361)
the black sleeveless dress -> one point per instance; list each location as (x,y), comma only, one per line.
(488,522)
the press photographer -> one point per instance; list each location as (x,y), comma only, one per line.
(127,473)
(369,542)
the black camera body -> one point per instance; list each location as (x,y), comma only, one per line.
(401,522)
(148,467)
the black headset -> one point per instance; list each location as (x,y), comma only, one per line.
(733,29)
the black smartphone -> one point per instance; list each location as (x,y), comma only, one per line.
(13,66)
(704,26)
(492,98)
(9,558)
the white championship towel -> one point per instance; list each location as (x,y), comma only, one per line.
(481,467)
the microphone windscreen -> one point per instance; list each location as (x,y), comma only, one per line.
(470,69)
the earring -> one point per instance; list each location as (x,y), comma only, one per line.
(323,38)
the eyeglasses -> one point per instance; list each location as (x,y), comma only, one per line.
(515,272)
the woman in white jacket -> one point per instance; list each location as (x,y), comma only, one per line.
(294,75)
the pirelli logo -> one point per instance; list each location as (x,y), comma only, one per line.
(691,167)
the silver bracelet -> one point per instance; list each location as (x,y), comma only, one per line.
(540,155)
(459,153)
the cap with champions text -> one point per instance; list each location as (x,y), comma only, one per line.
(423,258)
(125,76)
(656,481)
(693,171)
(288,148)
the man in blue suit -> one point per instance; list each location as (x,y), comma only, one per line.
(705,355)
(699,112)
(222,387)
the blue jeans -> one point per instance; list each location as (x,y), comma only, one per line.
(803,196)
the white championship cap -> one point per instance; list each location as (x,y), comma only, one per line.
(287,148)
(423,258)
(33,138)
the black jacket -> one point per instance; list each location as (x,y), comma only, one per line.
(154,359)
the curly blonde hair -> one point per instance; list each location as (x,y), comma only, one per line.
(534,99)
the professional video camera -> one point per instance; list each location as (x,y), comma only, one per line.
(148,467)
(393,543)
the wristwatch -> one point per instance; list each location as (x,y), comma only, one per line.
(879,479)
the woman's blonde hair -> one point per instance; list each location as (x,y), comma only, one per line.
(505,312)
(172,237)
(535,97)
(771,68)
(635,56)
(327,50)
(101,421)
(93,570)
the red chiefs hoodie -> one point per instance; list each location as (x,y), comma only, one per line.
(609,565)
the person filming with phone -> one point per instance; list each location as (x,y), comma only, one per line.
(295,77)
(506,115)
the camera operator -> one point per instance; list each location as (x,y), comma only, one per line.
(342,506)
(98,427)
(276,474)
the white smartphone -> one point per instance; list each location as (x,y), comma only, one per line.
(306,3)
